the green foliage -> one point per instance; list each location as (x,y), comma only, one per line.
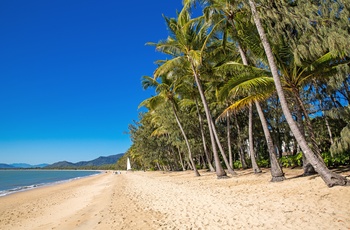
(337,159)
(342,143)
(237,164)
(306,63)
(330,161)
(265,163)
(292,161)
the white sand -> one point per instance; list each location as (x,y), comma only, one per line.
(178,200)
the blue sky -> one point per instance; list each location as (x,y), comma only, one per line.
(70,74)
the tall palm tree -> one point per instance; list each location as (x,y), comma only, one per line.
(189,95)
(187,47)
(166,93)
(237,25)
(255,86)
(223,14)
(330,178)
(294,76)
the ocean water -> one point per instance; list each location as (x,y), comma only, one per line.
(18,180)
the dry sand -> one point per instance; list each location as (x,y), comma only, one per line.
(178,200)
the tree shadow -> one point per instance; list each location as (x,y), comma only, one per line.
(342,169)
(338,170)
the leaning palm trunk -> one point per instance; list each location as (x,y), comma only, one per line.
(187,143)
(311,132)
(308,169)
(255,166)
(220,172)
(181,161)
(329,177)
(327,123)
(229,140)
(240,149)
(201,126)
(229,168)
(276,170)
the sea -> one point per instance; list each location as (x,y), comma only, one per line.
(12,181)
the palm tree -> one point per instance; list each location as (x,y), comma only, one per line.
(330,178)
(236,23)
(226,7)
(166,93)
(189,96)
(149,147)
(255,86)
(187,47)
(223,14)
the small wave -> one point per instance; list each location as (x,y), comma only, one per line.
(28,187)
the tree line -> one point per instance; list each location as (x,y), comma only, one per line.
(249,84)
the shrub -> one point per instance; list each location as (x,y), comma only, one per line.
(292,161)
(237,164)
(265,163)
(336,160)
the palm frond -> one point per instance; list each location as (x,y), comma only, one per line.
(196,57)
(152,102)
(236,68)
(160,131)
(168,66)
(185,103)
(244,103)
(148,82)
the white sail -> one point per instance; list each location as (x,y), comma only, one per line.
(128,165)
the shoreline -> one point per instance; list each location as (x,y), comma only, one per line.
(24,187)
(179,200)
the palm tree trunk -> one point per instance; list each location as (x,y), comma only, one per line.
(181,161)
(255,166)
(229,168)
(210,121)
(330,178)
(229,139)
(220,172)
(158,166)
(187,143)
(308,123)
(201,126)
(327,124)
(276,170)
(239,140)
(328,127)
(307,167)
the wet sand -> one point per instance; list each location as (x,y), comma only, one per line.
(178,200)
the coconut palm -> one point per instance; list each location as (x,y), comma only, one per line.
(165,90)
(189,95)
(330,178)
(224,15)
(256,85)
(294,76)
(187,43)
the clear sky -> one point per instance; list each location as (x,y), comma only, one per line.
(70,75)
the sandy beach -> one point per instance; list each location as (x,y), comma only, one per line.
(178,200)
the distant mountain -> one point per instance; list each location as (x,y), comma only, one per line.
(96,162)
(41,165)
(24,165)
(101,161)
(61,164)
(6,166)
(20,166)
